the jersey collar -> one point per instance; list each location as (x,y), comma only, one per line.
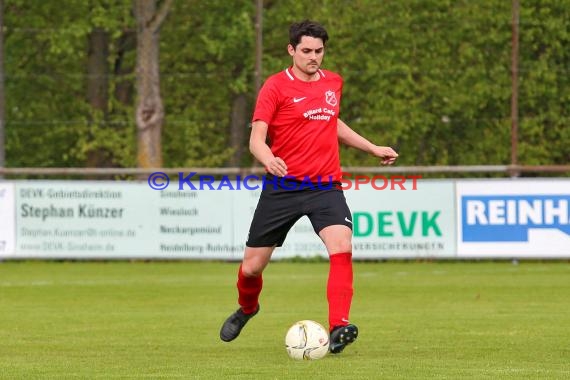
(292,77)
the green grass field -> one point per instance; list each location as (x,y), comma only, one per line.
(161,320)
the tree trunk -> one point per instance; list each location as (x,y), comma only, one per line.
(124,87)
(238,125)
(149,110)
(98,88)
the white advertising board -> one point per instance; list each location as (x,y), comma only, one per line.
(513,218)
(7,220)
(404,223)
(97,219)
(435,219)
(94,219)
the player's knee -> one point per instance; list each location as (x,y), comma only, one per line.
(340,246)
(249,270)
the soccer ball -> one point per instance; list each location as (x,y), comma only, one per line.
(307,340)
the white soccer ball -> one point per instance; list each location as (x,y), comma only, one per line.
(307,340)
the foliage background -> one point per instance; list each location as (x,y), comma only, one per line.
(431,78)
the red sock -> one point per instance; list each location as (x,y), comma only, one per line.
(249,289)
(339,288)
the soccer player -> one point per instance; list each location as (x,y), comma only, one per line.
(297,109)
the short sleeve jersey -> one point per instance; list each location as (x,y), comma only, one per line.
(302,123)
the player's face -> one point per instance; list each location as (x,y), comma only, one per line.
(308,55)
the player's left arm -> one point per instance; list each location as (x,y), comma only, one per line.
(349,137)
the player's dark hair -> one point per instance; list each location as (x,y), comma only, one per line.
(306,28)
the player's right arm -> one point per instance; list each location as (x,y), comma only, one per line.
(261,151)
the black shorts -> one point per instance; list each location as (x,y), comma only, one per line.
(280,207)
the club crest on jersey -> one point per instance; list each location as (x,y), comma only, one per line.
(330,98)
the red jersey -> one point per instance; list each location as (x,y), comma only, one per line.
(302,119)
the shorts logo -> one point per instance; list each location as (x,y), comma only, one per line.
(330,98)
(347,220)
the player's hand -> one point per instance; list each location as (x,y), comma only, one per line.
(387,155)
(277,167)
